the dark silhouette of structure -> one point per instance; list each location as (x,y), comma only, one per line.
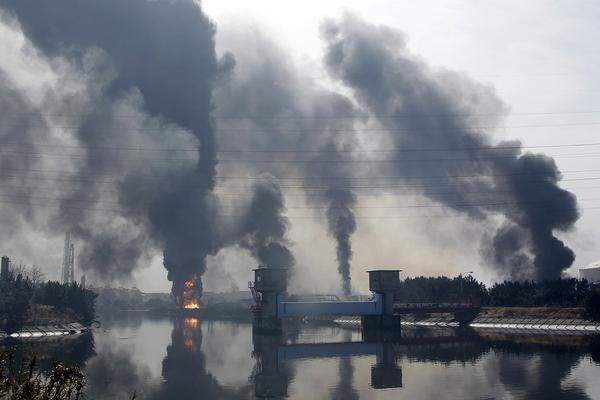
(5,268)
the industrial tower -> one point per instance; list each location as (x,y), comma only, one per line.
(4,269)
(68,267)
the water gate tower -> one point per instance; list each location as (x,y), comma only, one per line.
(270,293)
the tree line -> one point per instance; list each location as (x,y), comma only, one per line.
(20,294)
(569,292)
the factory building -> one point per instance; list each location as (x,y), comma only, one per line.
(591,273)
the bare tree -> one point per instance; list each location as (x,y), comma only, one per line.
(36,275)
(20,269)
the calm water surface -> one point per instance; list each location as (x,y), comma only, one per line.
(192,359)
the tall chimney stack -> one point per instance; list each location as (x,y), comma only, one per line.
(68,267)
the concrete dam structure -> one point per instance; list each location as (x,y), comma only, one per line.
(382,312)
(271,307)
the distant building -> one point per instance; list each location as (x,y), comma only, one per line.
(4,268)
(83,281)
(592,274)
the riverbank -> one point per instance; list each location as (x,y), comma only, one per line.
(41,308)
(534,319)
(46,331)
(46,321)
(545,316)
(541,318)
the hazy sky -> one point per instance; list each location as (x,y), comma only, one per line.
(540,56)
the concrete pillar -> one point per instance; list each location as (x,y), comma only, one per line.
(385,283)
(270,283)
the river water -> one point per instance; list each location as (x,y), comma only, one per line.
(163,358)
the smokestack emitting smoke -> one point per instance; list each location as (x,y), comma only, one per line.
(129,100)
(428,109)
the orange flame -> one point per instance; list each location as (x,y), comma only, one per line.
(192,304)
(190,301)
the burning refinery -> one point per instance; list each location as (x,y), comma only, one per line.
(190,294)
(187,293)
(354,164)
(335,150)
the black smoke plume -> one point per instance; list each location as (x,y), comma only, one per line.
(342,224)
(266,226)
(422,108)
(337,196)
(281,107)
(133,93)
(157,61)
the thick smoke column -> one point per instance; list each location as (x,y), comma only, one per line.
(282,108)
(168,90)
(160,57)
(338,196)
(266,226)
(138,98)
(426,109)
(342,224)
(339,200)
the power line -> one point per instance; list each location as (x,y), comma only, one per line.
(195,149)
(406,177)
(42,155)
(328,187)
(402,150)
(304,130)
(241,215)
(317,187)
(247,195)
(397,115)
(336,177)
(486,204)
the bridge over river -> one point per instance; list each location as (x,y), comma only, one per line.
(272,305)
